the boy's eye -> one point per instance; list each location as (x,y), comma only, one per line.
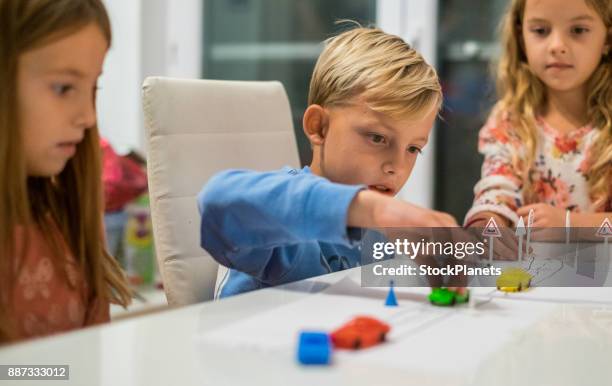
(415,150)
(377,138)
(62,89)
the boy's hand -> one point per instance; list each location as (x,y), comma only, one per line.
(544,215)
(374,210)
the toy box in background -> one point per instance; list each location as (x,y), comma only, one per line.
(139,251)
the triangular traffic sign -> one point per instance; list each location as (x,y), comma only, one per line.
(491,229)
(605,230)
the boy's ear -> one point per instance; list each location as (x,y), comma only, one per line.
(315,124)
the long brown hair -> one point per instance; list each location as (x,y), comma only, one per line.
(522,95)
(70,201)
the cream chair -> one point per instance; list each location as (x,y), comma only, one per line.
(195,128)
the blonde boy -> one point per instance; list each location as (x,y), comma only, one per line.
(372,102)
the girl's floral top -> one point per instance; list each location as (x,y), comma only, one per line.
(559,174)
(46,300)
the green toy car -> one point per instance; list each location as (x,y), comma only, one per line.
(446,297)
(513,280)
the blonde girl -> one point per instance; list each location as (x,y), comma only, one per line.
(547,144)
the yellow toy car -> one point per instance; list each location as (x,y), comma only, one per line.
(513,280)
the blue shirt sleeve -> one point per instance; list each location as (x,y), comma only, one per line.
(264,223)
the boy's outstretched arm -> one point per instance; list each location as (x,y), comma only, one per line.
(262,223)
(374,210)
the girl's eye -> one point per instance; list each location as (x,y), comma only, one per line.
(415,150)
(539,31)
(62,89)
(377,139)
(579,30)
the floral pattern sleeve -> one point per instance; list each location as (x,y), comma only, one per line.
(50,294)
(559,173)
(499,189)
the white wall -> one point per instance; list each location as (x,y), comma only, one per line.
(150,37)
(119,115)
(416,22)
(184,39)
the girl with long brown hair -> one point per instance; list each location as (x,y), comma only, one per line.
(55,274)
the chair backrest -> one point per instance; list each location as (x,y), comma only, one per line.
(195,128)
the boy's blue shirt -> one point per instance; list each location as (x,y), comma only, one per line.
(277,227)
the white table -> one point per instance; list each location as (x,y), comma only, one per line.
(160,349)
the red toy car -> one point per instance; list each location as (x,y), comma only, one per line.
(360,332)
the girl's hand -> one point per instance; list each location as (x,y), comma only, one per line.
(544,215)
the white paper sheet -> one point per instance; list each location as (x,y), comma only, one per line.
(421,333)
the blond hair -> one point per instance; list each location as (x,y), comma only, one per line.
(523,95)
(70,201)
(391,76)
